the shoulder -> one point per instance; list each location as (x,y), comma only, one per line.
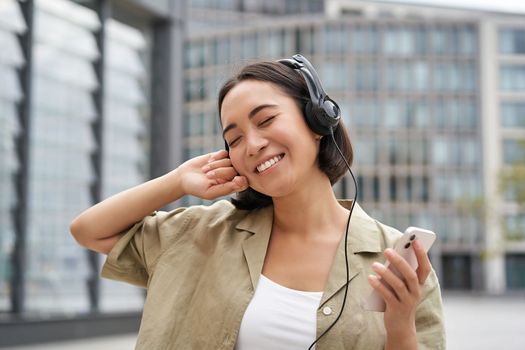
(216,214)
(371,235)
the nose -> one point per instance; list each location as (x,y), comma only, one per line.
(255,143)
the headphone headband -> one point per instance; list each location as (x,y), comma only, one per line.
(321,112)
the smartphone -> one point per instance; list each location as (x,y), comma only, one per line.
(374,302)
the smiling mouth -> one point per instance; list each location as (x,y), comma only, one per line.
(270,162)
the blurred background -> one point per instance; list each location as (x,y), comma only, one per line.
(97,96)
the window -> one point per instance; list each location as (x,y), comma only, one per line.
(249,46)
(364,40)
(392,188)
(365,77)
(366,151)
(514,227)
(515,271)
(365,112)
(514,151)
(335,76)
(335,39)
(61,172)
(126,133)
(440,150)
(512,41)
(468,40)
(512,78)
(513,114)
(394,114)
(398,42)
(457,268)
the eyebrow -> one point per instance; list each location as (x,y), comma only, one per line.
(252,114)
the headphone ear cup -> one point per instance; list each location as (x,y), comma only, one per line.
(314,120)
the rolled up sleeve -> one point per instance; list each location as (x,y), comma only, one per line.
(134,256)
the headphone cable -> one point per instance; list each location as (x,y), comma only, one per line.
(346,241)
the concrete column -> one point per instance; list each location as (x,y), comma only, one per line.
(494,256)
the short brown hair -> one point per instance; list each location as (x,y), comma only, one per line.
(292,84)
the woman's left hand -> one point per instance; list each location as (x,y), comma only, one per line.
(403,297)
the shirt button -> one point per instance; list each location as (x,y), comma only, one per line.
(327,310)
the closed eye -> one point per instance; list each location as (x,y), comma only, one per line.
(233,142)
(267,121)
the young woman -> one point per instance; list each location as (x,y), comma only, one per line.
(266,270)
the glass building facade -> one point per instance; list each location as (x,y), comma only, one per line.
(410,90)
(76,127)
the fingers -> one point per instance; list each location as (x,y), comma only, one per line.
(217,155)
(425,266)
(401,278)
(385,292)
(215,164)
(397,285)
(405,271)
(219,171)
(237,184)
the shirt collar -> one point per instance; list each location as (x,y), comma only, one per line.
(363,234)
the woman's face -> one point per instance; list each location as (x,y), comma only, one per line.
(270,143)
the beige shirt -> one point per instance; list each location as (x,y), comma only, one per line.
(201,266)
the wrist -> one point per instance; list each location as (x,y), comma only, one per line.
(173,183)
(405,338)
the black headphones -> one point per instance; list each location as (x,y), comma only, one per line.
(321,112)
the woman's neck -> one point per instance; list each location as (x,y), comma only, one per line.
(312,211)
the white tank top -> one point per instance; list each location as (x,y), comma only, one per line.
(279,318)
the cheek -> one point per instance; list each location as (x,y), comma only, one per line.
(236,163)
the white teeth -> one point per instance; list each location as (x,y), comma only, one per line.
(262,167)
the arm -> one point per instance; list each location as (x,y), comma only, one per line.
(209,176)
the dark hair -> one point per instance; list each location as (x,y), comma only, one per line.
(292,84)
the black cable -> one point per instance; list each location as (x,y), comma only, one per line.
(346,243)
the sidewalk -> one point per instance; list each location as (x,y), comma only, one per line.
(484,323)
(472,322)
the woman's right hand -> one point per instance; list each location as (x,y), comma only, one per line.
(210,176)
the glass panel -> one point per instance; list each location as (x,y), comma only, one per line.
(61,174)
(514,227)
(512,41)
(11,59)
(512,78)
(335,39)
(515,271)
(365,112)
(335,76)
(364,40)
(126,133)
(513,114)
(440,150)
(398,42)
(366,151)
(11,18)
(365,77)
(514,151)
(468,41)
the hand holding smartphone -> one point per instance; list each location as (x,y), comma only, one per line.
(403,247)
